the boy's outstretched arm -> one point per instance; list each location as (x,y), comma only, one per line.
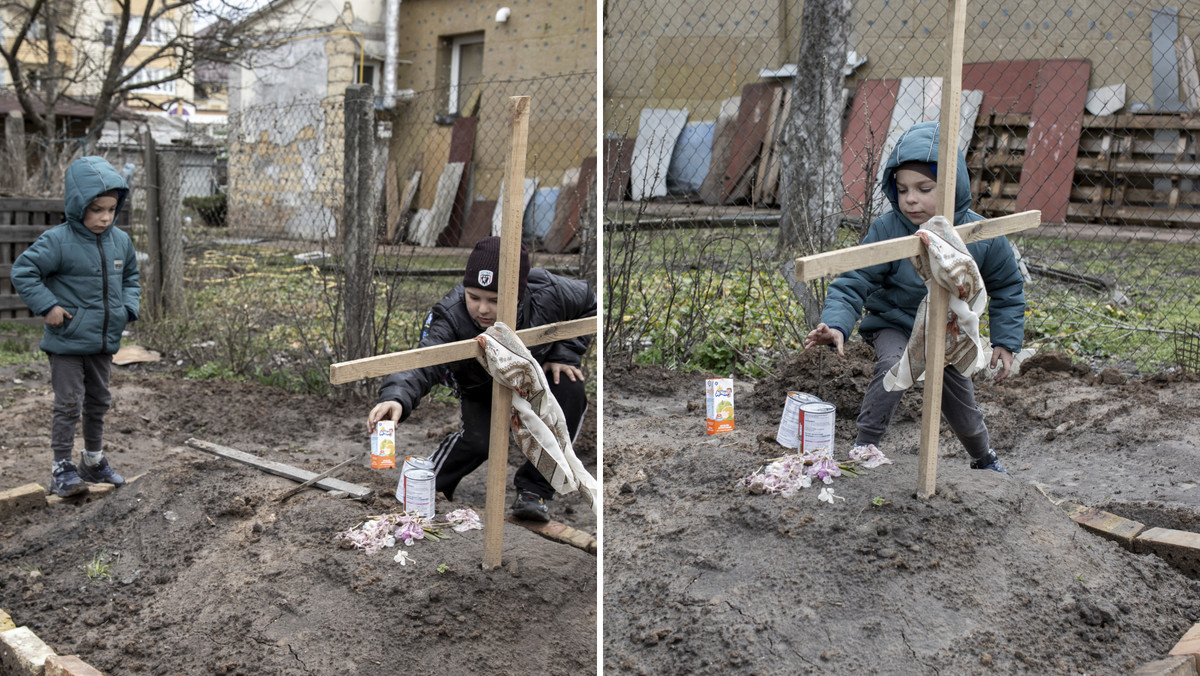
(825,335)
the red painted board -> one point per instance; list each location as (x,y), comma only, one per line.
(462,144)
(618,157)
(1055,124)
(564,233)
(753,117)
(478,223)
(1007,86)
(862,142)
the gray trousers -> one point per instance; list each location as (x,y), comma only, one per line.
(958,399)
(80,390)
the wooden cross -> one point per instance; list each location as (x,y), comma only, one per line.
(510,251)
(835,262)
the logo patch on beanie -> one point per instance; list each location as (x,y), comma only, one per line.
(485,278)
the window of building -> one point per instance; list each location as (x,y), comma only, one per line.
(466,68)
(367,72)
(146,75)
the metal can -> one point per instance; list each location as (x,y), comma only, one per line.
(419,493)
(411,462)
(790,425)
(818,428)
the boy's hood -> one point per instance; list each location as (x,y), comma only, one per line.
(920,144)
(87,178)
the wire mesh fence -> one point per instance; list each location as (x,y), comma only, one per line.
(1084,112)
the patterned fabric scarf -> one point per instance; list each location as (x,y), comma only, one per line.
(538,421)
(944,260)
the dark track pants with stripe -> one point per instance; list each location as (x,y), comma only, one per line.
(462,452)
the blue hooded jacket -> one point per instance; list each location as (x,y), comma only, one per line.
(891,292)
(93,277)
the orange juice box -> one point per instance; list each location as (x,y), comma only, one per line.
(718,399)
(383,445)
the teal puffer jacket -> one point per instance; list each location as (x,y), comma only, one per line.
(93,277)
(891,292)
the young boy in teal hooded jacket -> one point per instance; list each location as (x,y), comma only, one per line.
(82,277)
(891,292)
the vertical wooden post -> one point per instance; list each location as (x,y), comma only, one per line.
(153,228)
(939,299)
(170,210)
(510,251)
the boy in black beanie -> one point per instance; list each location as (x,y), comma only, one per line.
(464,313)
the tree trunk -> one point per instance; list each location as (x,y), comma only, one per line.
(811,160)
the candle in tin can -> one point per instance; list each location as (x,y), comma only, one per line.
(411,462)
(419,492)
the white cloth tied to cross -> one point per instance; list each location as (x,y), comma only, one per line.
(944,260)
(538,421)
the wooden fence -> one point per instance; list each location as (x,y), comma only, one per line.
(21,222)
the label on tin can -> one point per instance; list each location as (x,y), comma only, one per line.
(383,445)
(419,492)
(818,428)
(790,424)
(718,399)
(411,462)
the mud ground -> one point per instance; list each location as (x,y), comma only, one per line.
(987,576)
(210,574)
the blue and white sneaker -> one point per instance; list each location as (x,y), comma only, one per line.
(989,461)
(100,473)
(65,481)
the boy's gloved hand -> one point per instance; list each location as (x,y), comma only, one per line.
(57,316)
(824,335)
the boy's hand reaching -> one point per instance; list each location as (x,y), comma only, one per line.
(57,316)
(823,335)
(1005,359)
(555,371)
(384,410)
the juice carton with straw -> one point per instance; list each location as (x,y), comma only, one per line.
(718,398)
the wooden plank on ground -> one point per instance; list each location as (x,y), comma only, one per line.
(559,532)
(862,143)
(759,193)
(406,201)
(385,364)
(1055,125)
(832,262)
(437,154)
(431,222)
(279,468)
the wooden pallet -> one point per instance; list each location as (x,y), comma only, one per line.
(1127,171)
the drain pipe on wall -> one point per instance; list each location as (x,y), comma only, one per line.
(392,36)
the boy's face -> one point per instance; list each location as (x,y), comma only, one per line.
(100,214)
(916,195)
(481,305)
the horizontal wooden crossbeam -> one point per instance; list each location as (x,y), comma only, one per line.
(386,364)
(854,258)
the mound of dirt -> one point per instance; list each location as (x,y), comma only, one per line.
(198,568)
(987,575)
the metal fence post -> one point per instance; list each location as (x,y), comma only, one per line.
(358,221)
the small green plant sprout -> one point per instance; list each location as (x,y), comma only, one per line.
(443,568)
(878,501)
(99,567)
(1080,578)
(29,568)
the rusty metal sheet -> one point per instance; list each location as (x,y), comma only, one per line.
(751,129)
(1009,87)
(1056,121)
(862,143)
(564,234)
(478,223)
(462,145)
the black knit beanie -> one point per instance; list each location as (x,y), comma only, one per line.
(483,266)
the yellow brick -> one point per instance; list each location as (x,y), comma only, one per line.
(1190,643)
(21,499)
(22,652)
(6,622)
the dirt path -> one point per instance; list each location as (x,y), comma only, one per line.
(210,574)
(987,576)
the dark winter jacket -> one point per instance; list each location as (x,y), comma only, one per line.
(891,292)
(93,277)
(548,298)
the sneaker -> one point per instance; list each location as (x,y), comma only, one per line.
(65,481)
(989,461)
(100,473)
(531,507)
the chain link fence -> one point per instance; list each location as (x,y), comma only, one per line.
(1085,112)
